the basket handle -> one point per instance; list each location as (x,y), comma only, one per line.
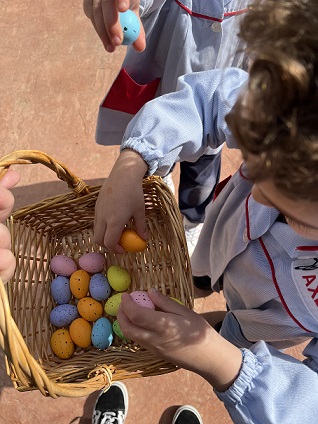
(27,157)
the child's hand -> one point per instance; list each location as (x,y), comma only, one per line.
(179,335)
(105,19)
(7,260)
(121,198)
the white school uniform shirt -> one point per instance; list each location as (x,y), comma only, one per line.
(183,36)
(269,272)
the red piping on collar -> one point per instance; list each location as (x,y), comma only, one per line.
(248,232)
(307,248)
(210,18)
(277,286)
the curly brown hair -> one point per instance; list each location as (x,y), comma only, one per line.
(275,120)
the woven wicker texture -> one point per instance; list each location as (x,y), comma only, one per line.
(64,225)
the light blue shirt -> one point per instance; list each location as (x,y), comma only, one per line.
(269,273)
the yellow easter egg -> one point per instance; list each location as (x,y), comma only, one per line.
(118,278)
(177,300)
(112,304)
(62,344)
(131,241)
(89,308)
(80,332)
(79,283)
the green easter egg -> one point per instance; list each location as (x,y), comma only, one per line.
(117,330)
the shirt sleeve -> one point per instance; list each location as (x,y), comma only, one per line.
(273,387)
(180,126)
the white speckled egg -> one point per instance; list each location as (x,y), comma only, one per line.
(99,287)
(102,334)
(92,262)
(60,290)
(63,265)
(63,315)
(142,298)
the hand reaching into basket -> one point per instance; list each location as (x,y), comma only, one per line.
(121,198)
(7,260)
(179,335)
(105,20)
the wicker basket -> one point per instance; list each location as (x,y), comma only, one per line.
(63,225)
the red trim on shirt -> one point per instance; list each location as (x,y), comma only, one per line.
(277,286)
(210,18)
(307,248)
(248,232)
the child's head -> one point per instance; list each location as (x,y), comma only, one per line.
(275,121)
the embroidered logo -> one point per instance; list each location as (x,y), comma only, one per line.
(305,274)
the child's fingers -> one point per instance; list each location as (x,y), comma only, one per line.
(166,304)
(7,264)
(6,203)
(9,179)
(142,317)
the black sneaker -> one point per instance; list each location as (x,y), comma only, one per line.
(111,406)
(203,283)
(187,414)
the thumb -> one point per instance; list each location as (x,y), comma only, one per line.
(165,303)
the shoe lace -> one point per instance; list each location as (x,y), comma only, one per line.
(110,417)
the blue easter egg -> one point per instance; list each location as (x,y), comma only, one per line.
(60,290)
(102,333)
(63,315)
(130,26)
(99,287)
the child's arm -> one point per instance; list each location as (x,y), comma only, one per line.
(258,386)
(7,260)
(121,198)
(176,127)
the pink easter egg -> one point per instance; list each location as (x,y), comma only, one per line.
(142,298)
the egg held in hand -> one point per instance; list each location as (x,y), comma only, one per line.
(131,241)
(130,26)
(142,298)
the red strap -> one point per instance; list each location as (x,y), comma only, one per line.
(125,95)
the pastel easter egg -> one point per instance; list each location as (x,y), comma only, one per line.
(79,283)
(118,278)
(99,287)
(62,344)
(92,262)
(117,330)
(131,241)
(80,332)
(112,304)
(130,26)
(63,315)
(63,265)
(102,334)
(89,308)
(142,298)
(60,290)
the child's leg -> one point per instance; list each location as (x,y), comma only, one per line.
(198,181)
